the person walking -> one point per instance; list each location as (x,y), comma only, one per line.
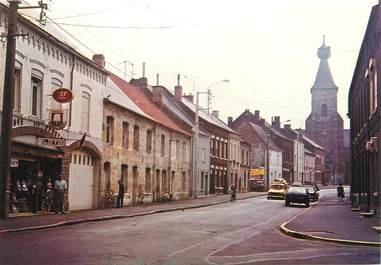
(119,201)
(233,193)
(59,190)
(340,193)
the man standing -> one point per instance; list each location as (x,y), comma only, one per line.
(59,190)
(119,202)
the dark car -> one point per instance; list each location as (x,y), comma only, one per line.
(314,194)
(297,195)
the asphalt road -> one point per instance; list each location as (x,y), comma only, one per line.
(245,232)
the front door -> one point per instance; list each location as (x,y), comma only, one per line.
(134,184)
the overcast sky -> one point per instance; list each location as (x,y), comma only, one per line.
(267,49)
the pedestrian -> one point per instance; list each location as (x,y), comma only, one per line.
(119,201)
(316,188)
(48,196)
(233,193)
(340,192)
(59,190)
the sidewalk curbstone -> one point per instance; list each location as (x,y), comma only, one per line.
(119,216)
(301,235)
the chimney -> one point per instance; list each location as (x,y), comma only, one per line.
(189,97)
(262,122)
(99,59)
(178,90)
(157,93)
(287,126)
(230,121)
(256,115)
(276,122)
(141,82)
(215,113)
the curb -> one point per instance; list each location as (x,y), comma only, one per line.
(115,217)
(301,235)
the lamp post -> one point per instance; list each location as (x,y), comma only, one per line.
(196,137)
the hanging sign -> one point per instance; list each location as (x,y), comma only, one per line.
(63,95)
(57,118)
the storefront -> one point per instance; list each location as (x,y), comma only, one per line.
(31,168)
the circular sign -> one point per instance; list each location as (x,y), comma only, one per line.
(63,95)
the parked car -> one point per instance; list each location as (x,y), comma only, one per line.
(314,194)
(277,191)
(297,195)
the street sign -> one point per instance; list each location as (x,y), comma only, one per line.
(57,118)
(14,162)
(53,142)
(63,95)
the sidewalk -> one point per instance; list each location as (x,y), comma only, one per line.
(330,220)
(44,221)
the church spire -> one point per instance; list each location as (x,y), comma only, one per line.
(324,78)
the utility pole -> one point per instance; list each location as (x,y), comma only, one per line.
(7,112)
(267,186)
(8,95)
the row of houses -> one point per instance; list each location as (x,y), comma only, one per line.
(130,131)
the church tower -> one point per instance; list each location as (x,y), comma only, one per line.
(324,125)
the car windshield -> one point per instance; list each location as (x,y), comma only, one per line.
(277,187)
(297,189)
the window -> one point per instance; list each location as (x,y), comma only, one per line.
(109,130)
(125,134)
(149,141)
(17,93)
(56,84)
(136,138)
(184,150)
(164,179)
(36,97)
(172,145)
(106,171)
(324,110)
(183,181)
(148,180)
(202,181)
(124,176)
(162,149)
(203,152)
(85,112)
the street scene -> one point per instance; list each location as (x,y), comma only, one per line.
(190,132)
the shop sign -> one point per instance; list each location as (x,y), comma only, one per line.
(53,141)
(63,95)
(257,171)
(14,162)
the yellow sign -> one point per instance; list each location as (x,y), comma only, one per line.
(257,171)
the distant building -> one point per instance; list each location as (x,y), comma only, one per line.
(324,125)
(365,115)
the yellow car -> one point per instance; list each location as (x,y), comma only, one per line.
(277,191)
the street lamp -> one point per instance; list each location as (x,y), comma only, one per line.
(196,140)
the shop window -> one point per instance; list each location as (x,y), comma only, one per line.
(85,112)
(17,93)
(56,84)
(136,138)
(110,130)
(148,180)
(149,141)
(125,134)
(36,96)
